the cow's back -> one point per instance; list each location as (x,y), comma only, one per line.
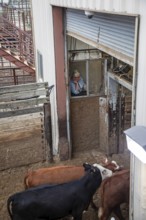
(116,186)
(53,175)
(113,192)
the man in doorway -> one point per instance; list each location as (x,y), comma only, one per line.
(77,84)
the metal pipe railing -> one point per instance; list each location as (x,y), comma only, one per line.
(17,41)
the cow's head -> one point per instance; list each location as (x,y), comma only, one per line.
(112,165)
(104,171)
(93,169)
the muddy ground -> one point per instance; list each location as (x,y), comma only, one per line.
(11,180)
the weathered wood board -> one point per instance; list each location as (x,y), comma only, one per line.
(24,137)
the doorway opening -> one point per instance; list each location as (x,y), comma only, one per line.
(99,118)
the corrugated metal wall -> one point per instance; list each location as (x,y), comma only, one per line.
(44,43)
(114,34)
(120,6)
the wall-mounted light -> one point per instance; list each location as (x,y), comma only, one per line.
(89,14)
(136,141)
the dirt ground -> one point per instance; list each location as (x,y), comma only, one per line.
(11,180)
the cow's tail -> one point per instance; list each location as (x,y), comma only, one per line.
(9,201)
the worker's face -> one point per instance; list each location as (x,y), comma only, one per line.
(76,79)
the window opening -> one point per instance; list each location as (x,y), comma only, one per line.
(89,75)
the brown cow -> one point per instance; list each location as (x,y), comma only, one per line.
(53,175)
(60,174)
(113,192)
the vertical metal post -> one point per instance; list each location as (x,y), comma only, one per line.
(48,132)
(87,76)
(14,76)
(67,90)
(132,159)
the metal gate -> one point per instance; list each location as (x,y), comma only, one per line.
(114,119)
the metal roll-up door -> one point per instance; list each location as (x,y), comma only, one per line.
(113,34)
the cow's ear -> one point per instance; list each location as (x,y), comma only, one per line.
(106,160)
(87,166)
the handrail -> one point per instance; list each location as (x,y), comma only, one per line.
(17,41)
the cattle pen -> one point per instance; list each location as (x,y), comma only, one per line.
(25,141)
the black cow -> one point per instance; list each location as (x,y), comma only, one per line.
(57,201)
